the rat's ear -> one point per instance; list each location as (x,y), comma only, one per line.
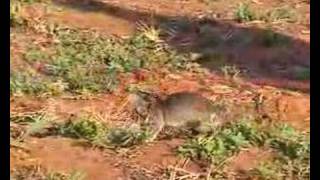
(147,96)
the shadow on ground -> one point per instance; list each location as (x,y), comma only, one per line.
(267,57)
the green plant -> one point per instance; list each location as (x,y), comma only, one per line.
(292,148)
(121,137)
(33,124)
(84,127)
(100,135)
(293,167)
(244,13)
(35,84)
(224,143)
(90,62)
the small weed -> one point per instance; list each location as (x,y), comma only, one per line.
(292,161)
(271,39)
(16,6)
(101,135)
(84,127)
(224,143)
(35,84)
(244,13)
(16,18)
(34,124)
(121,137)
(289,143)
(150,32)
(231,72)
(74,175)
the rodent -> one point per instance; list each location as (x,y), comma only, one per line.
(185,110)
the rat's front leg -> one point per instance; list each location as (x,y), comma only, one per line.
(156,124)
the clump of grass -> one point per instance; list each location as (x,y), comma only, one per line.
(25,125)
(16,6)
(34,84)
(84,128)
(121,137)
(289,142)
(74,175)
(100,135)
(279,14)
(231,72)
(291,147)
(244,13)
(39,172)
(224,143)
(16,18)
(34,124)
(292,159)
(270,38)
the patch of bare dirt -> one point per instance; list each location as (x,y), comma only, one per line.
(294,110)
(51,153)
(19,157)
(89,20)
(26,104)
(64,107)
(62,155)
(160,155)
(248,159)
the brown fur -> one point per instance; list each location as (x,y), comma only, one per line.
(181,110)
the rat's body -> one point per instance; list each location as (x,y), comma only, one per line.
(181,110)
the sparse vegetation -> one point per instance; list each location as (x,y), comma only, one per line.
(38,172)
(224,143)
(33,124)
(292,148)
(101,135)
(244,13)
(15,14)
(121,137)
(82,61)
(84,127)
(231,72)
(293,158)
(280,14)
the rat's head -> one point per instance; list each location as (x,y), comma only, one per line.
(143,102)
